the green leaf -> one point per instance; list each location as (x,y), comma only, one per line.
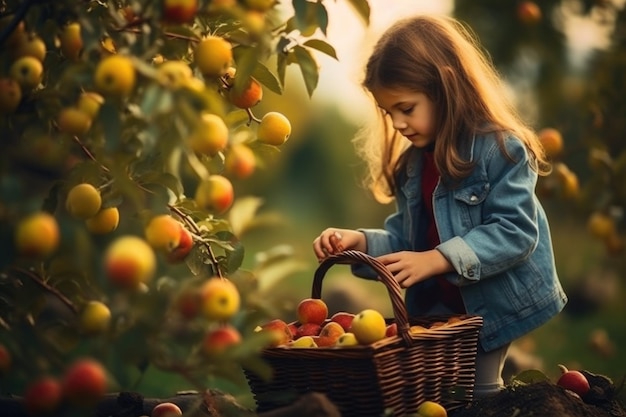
(300,8)
(322,17)
(246,59)
(530,376)
(322,46)
(308,67)
(265,77)
(243,212)
(362,8)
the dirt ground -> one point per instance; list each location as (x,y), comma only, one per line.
(547,399)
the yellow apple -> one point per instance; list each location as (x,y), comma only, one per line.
(129,262)
(83,201)
(431,409)
(274,129)
(105,221)
(37,235)
(95,317)
(163,232)
(215,194)
(27,71)
(213,56)
(368,326)
(303,342)
(347,339)
(209,136)
(115,75)
(220,299)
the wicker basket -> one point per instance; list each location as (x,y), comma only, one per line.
(394,374)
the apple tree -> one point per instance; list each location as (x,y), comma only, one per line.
(126,125)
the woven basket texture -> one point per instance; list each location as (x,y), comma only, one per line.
(394,375)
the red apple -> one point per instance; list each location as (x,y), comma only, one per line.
(179,11)
(43,396)
(392,330)
(343,318)
(528,12)
(166,409)
(180,252)
(281,331)
(574,381)
(308,329)
(293,328)
(84,382)
(218,340)
(312,310)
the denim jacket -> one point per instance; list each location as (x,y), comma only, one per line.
(494,232)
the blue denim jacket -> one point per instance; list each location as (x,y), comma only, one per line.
(495,234)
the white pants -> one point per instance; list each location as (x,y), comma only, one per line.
(489,365)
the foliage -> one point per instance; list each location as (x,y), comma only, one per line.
(137,150)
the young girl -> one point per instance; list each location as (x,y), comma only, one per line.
(469,234)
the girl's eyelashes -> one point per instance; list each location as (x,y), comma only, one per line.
(407,111)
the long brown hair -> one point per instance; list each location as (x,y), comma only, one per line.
(442,58)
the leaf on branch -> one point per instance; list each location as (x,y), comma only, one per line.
(265,77)
(362,9)
(322,46)
(308,67)
(243,212)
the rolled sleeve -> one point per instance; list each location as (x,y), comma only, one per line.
(463,259)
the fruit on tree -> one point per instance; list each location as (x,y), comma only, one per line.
(431,409)
(215,194)
(347,339)
(260,5)
(601,225)
(163,232)
(115,75)
(218,340)
(129,262)
(179,11)
(71,41)
(83,201)
(247,97)
(14,37)
(312,310)
(343,318)
(568,180)
(220,298)
(27,71)
(37,235)
(89,102)
(552,141)
(209,136)
(216,7)
(95,317)
(573,380)
(188,303)
(303,342)
(308,329)
(528,12)
(73,121)
(10,95)
(368,326)
(281,333)
(274,129)
(105,221)
(180,252)
(30,45)
(213,56)
(84,382)
(240,161)
(174,73)
(43,396)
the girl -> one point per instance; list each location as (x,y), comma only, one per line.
(469,234)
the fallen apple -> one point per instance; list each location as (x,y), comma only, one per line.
(574,381)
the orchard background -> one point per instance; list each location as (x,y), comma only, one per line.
(130,98)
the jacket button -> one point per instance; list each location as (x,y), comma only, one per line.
(473,198)
(470,273)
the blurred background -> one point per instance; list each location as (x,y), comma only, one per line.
(565,63)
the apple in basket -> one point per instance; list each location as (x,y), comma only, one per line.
(280,331)
(312,310)
(368,326)
(307,329)
(343,318)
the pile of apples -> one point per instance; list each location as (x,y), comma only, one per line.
(314,327)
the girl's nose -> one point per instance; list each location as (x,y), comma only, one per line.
(398,124)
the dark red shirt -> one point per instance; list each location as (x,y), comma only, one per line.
(449,293)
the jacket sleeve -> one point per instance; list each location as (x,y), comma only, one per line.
(509,232)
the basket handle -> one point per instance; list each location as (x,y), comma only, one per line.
(384,275)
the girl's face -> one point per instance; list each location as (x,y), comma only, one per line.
(411,113)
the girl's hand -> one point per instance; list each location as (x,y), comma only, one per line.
(409,268)
(332,241)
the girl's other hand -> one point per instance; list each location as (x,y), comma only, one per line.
(332,241)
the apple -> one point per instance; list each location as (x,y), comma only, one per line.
(95,318)
(181,251)
(392,330)
(188,303)
(343,318)
(163,232)
(247,97)
(528,12)
(10,95)
(574,381)
(293,328)
(312,310)
(129,261)
(218,340)
(37,235)
(83,200)
(308,329)
(332,330)
(179,11)
(166,409)
(431,409)
(213,56)
(368,326)
(43,396)
(84,382)
(209,136)
(324,341)
(240,161)
(303,342)
(220,298)
(347,339)
(215,194)
(274,129)
(105,221)
(280,329)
